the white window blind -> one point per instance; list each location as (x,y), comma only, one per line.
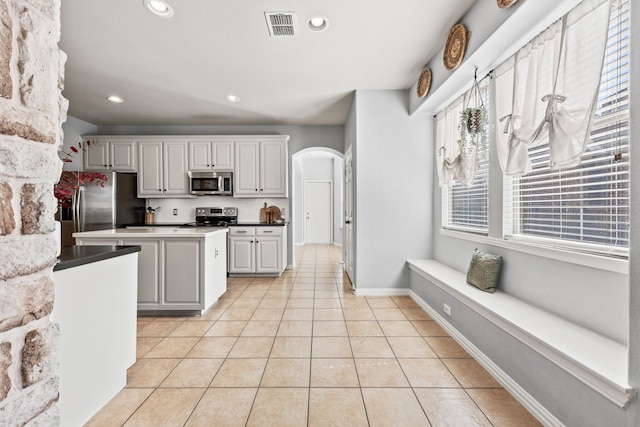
(467,205)
(585,207)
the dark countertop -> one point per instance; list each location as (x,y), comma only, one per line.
(258,224)
(156,224)
(182,224)
(74,256)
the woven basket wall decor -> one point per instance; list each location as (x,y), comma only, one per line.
(503,4)
(456,46)
(424,83)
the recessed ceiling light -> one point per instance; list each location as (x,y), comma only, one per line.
(115,99)
(318,23)
(159,7)
(232,98)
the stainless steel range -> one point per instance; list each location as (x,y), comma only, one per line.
(215,217)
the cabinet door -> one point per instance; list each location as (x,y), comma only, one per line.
(96,155)
(200,155)
(246,177)
(148,273)
(268,254)
(150,181)
(175,168)
(182,274)
(222,155)
(242,255)
(273,168)
(122,156)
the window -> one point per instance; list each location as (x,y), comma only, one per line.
(587,204)
(583,209)
(466,206)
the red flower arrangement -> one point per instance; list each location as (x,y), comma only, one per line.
(69,183)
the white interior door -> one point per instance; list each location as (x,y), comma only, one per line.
(318,201)
(348,214)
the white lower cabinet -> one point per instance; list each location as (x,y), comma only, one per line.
(177,274)
(257,250)
(242,254)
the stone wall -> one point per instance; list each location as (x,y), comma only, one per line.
(32,110)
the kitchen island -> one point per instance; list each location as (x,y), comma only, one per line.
(95,309)
(181,270)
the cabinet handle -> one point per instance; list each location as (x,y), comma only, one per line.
(241,231)
(261,189)
(267,231)
(110,166)
(256,189)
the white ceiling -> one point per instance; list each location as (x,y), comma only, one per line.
(178,71)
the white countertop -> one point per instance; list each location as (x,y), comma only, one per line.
(151,232)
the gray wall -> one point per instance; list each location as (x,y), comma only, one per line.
(393,184)
(73,130)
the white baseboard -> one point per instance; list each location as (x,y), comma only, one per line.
(521,395)
(388,292)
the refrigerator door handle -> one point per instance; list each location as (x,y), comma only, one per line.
(80,208)
(74,210)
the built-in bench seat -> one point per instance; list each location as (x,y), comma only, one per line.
(596,360)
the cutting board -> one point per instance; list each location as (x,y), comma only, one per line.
(269,215)
(264,214)
(276,215)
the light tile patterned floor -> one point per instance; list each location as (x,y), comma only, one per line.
(302,350)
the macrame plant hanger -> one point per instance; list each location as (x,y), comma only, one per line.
(473,121)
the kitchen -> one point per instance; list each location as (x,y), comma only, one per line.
(372,126)
(165,250)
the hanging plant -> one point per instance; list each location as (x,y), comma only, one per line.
(474,121)
(473,128)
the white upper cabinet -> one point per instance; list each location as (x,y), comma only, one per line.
(273,168)
(106,155)
(211,155)
(259,162)
(246,179)
(163,169)
(261,167)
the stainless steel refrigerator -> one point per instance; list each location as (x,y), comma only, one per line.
(100,204)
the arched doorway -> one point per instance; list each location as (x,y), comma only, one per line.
(317,196)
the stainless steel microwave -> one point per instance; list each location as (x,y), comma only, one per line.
(211,183)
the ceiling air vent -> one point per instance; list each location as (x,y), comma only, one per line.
(281,24)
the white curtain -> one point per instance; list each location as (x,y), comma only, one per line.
(547,92)
(454,163)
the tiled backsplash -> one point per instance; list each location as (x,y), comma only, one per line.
(248,209)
